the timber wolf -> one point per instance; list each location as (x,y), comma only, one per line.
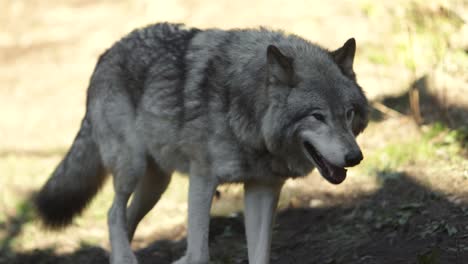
(253,106)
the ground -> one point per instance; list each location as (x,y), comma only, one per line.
(406,203)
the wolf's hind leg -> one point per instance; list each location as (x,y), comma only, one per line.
(147,194)
(131,166)
(260,202)
(124,155)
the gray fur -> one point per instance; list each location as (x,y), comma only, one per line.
(223,106)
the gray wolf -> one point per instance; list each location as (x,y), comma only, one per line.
(253,106)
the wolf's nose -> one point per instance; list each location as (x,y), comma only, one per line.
(353,158)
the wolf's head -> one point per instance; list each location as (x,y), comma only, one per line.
(315,110)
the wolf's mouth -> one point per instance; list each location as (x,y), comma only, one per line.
(330,172)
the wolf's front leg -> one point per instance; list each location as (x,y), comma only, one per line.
(260,201)
(201,191)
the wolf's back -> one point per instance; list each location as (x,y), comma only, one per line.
(74,182)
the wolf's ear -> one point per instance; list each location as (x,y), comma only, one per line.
(344,57)
(279,67)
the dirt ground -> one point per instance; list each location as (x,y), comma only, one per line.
(407,202)
(362,230)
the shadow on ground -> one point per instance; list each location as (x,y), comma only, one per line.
(403,222)
(13,226)
(433,106)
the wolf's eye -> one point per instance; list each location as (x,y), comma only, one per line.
(350,114)
(319,117)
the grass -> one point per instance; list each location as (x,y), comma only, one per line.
(433,143)
(421,34)
(376,55)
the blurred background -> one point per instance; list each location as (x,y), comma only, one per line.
(406,203)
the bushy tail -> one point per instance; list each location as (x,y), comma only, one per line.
(73,184)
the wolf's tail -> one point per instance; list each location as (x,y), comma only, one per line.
(73,184)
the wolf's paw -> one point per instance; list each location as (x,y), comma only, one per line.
(185,260)
(182,260)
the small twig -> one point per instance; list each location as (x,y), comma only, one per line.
(386,110)
(414,104)
(414,91)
